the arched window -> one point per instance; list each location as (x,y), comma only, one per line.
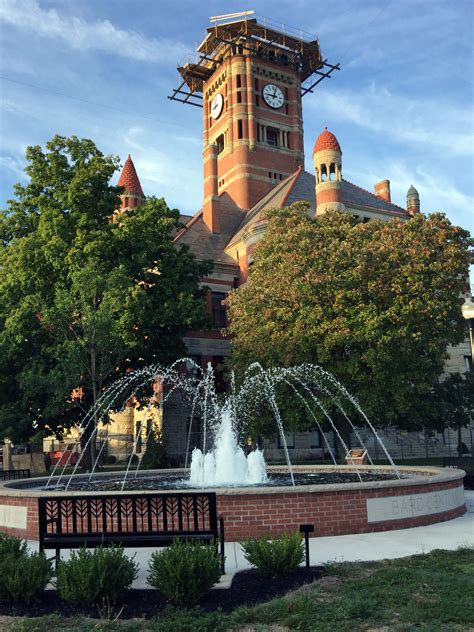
(220,143)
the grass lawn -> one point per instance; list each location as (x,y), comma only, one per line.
(425,592)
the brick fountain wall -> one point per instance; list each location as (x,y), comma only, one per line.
(432,495)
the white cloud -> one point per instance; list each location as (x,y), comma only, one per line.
(14,165)
(24,110)
(436,192)
(173,173)
(28,15)
(412,121)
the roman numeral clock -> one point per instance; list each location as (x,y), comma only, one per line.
(273,96)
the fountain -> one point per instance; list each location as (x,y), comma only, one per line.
(254,498)
(226,464)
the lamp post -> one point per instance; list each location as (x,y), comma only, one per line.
(468,313)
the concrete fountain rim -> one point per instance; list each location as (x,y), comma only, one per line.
(422,475)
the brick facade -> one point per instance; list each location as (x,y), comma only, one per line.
(332,512)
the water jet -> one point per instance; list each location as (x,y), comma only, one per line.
(255,499)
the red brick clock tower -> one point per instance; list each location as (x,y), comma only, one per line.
(249,81)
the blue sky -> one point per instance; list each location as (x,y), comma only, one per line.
(401,107)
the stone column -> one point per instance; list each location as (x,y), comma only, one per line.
(250,104)
(7,455)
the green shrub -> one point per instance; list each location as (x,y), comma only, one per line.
(185,571)
(275,557)
(23,576)
(22,579)
(9,545)
(91,576)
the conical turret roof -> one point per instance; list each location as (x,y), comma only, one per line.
(129,179)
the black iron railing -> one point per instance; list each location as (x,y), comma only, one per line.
(13,475)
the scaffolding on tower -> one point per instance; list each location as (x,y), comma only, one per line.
(238,34)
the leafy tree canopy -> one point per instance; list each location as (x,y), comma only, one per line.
(376,304)
(87,293)
(456,398)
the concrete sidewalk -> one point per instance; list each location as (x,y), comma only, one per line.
(346,548)
(359,547)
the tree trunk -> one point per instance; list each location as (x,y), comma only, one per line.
(88,440)
(343,435)
(460,452)
(88,448)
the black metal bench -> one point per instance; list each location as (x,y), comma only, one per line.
(129,520)
(13,475)
(465,463)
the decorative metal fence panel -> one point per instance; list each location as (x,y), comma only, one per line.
(13,475)
(185,514)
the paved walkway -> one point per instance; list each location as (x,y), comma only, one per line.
(349,548)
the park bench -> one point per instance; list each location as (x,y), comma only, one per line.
(129,520)
(13,475)
(465,463)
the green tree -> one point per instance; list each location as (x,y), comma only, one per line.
(87,293)
(376,304)
(455,396)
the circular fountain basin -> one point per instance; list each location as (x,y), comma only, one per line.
(424,495)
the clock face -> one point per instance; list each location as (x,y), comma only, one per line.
(273,96)
(217,105)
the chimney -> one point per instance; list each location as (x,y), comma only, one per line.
(413,201)
(382,190)
(212,204)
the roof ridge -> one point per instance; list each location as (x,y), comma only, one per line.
(256,208)
(296,175)
(373,194)
(192,221)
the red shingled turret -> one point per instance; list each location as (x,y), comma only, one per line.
(133,194)
(129,178)
(327,159)
(326,140)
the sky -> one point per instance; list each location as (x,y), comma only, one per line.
(401,106)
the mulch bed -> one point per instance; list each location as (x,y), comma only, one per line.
(247,588)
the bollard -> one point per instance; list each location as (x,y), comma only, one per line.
(306,529)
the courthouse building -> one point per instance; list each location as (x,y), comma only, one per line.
(249,81)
